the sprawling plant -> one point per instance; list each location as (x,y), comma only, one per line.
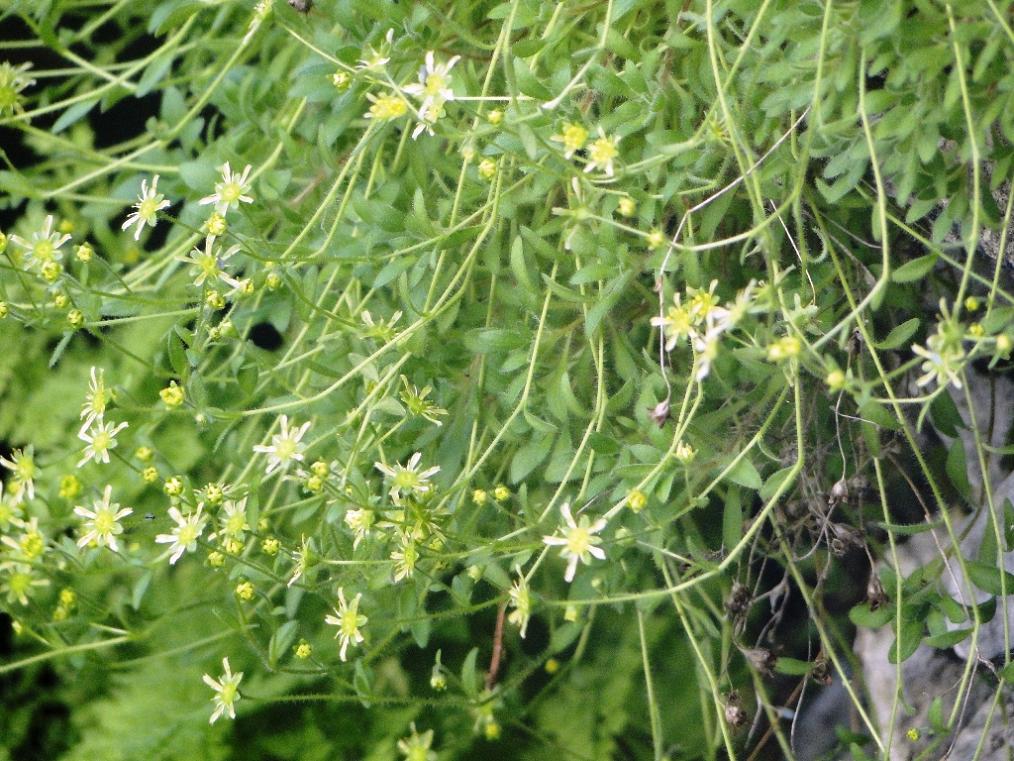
(518,379)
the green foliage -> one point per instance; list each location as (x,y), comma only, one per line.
(539,354)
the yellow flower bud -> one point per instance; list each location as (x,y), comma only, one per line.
(487,169)
(84,253)
(835,380)
(70,486)
(636,500)
(172,395)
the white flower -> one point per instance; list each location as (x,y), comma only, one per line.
(209,265)
(102,521)
(149,203)
(578,540)
(22,464)
(706,347)
(428,115)
(405,558)
(100,439)
(943,367)
(94,406)
(10,511)
(601,153)
(285,446)
(434,81)
(30,545)
(188,530)
(226,689)
(676,324)
(231,191)
(521,601)
(44,245)
(360,522)
(18,581)
(233,518)
(408,477)
(348,619)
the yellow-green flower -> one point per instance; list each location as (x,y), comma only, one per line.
(386,107)
(573,136)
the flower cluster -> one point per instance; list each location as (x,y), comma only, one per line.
(944,353)
(432,91)
(701,320)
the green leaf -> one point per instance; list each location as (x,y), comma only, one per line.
(732,518)
(198,175)
(947,640)
(140,587)
(528,84)
(528,457)
(1007,673)
(73,114)
(990,578)
(775,482)
(603,444)
(957,472)
(914,270)
(469,678)
(280,642)
(606,301)
(745,474)
(906,641)
(901,335)
(420,630)
(863,615)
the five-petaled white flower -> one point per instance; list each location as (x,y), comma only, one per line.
(231,191)
(226,689)
(22,465)
(408,478)
(434,81)
(285,446)
(94,406)
(148,205)
(209,265)
(601,153)
(577,539)
(184,536)
(348,619)
(102,522)
(940,366)
(100,439)
(233,519)
(44,245)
